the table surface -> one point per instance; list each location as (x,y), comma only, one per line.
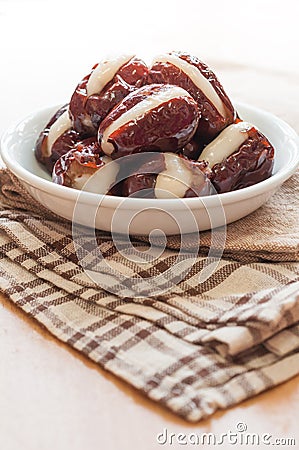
(69,402)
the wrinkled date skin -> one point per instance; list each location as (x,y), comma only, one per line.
(62,145)
(167,116)
(87,112)
(166,128)
(192,150)
(250,164)
(84,159)
(143,182)
(211,122)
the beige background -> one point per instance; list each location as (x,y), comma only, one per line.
(50,396)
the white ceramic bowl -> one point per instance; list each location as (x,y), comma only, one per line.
(142,216)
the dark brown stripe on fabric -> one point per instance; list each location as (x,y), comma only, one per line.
(60,244)
(114,331)
(157,378)
(245,357)
(169,316)
(34,283)
(243,300)
(5,248)
(20,259)
(75,338)
(219,276)
(40,266)
(265,379)
(209,374)
(109,252)
(46,305)
(166,320)
(288,317)
(51,243)
(46,292)
(185,332)
(256,334)
(29,298)
(245,385)
(278,276)
(13,289)
(273,292)
(113,304)
(291,267)
(152,340)
(98,296)
(162,322)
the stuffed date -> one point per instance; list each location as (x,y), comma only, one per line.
(165,132)
(84,167)
(167,175)
(188,72)
(56,139)
(239,157)
(108,83)
(156,117)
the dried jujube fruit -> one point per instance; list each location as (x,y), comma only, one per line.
(167,175)
(156,117)
(175,118)
(188,72)
(107,84)
(239,157)
(192,150)
(56,139)
(86,168)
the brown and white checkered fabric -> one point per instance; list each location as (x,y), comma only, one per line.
(196,348)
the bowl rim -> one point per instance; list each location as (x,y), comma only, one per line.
(135,203)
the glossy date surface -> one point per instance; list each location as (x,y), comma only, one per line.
(62,145)
(84,159)
(169,115)
(250,164)
(156,178)
(165,127)
(211,122)
(87,112)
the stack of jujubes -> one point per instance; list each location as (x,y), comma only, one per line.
(163,131)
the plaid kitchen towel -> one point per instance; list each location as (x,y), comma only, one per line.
(193,346)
